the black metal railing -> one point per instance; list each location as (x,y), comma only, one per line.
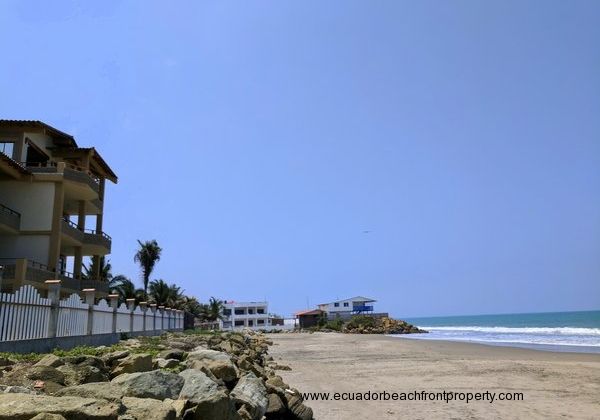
(10,211)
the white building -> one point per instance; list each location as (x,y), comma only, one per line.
(238,315)
(351,306)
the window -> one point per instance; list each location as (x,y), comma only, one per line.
(250,311)
(7,147)
(260,310)
(250,323)
(260,322)
(226,312)
(346,304)
(240,312)
(239,323)
(336,304)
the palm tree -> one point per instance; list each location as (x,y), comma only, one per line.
(190,304)
(126,289)
(213,311)
(104,269)
(147,256)
(165,295)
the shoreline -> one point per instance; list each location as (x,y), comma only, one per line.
(554,384)
(553,348)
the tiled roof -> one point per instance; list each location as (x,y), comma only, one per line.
(54,132)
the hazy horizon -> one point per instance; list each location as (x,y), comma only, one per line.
(441,158)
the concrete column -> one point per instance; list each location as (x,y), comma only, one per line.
(54,297)
(57,215)
(90,299)
(77,262)
(144,306)
(20,273)
(99,217)
(131,307)
(114,304)
(81,215)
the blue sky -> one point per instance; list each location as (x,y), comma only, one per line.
(257,141)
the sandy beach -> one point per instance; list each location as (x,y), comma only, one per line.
(554,385)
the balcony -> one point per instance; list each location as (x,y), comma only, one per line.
(92,242)
(362,308)
(81,182)
(10,220)
(18,271)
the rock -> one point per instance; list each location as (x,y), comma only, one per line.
(251,392)
(156,384)
(166,363)
(171,354)
(134,363)
(281,367)
(97,390)
(275,406)
(210,399)
(25,406)
(297,408)
(15,389)
(220,364)
(44,373)
(148,409)
(180,406)
(82,374)
(4,362)
(50,360)
(111,358)
(48,416)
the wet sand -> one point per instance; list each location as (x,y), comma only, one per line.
(554,385)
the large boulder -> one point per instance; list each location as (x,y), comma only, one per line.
(26,406)
(211,400)
(44,373)
(82,374)
(98,390)
(251,392)
(296,406)
(275,408)
(141,362)
(155,384)
(219,363)
(148,409)
(50,360)
(111,358)
(171,354)
(48,416)
(161,363)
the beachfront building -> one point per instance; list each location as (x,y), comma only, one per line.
(49,188)
(309,318)
(239,315)
(347,307)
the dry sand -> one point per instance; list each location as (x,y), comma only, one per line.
(555,385)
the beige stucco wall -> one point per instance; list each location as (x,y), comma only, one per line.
(33,247)
(33,200)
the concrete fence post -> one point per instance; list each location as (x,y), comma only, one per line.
(162,317)
(144,306)
(131,307)
(54,297)
(153,307)
(114,304)
(90,297)
(168,312)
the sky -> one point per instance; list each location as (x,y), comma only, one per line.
(442,158)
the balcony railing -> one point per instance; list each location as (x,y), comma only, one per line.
(71,172)
(38,273)
(362,308)
(10,217)
(86,235)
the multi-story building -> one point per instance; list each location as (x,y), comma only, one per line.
(346,307)
(49,187)
(238,315)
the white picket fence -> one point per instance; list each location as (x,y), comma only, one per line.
(25,315)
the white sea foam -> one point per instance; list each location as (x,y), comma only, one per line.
(545,336)
(520,330)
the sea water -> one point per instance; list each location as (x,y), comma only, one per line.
(559,331)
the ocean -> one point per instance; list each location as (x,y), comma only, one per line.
(557,331)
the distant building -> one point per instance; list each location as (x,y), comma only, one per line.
(346,307)
(309,318)
(239,315)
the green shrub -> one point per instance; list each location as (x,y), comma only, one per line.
(335,324)
(361,321)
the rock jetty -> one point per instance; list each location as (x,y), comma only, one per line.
(226,376)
